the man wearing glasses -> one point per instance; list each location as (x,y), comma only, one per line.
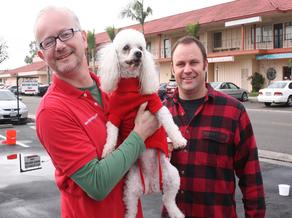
(71,123)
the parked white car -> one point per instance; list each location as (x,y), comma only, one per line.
(278,92)
(8,107)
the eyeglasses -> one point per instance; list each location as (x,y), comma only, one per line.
(63,36)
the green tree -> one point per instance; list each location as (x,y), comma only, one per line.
(257,81)
(3,51)
(91,50)
(135,11)
(193,29)
(111,32)
(32,52)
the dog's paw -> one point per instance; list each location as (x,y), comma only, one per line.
(178,140)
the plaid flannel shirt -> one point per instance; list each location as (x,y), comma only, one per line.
(221,144)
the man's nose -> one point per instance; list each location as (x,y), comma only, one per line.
(188,68)
(59,43)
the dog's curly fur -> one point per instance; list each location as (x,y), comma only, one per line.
(127,57)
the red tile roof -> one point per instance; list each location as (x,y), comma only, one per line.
(223,12)
(36,66)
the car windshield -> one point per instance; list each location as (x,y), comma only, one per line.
(7,96)
(277,85)
(215,84)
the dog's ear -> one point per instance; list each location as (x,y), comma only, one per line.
(149,77)
(108,68)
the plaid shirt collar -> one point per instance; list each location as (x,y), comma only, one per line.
(210,94)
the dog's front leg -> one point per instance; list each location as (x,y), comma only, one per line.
(111,139)
(165,118)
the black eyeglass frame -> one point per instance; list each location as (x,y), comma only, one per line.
(53,39)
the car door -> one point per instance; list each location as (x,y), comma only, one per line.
(226,89)
(234,90)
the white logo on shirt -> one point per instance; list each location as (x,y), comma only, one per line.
(90,119)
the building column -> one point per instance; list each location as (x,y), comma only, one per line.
(242,37)
(159,46)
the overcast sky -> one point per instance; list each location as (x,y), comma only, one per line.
(17,19)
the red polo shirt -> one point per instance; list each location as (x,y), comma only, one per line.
(71,127)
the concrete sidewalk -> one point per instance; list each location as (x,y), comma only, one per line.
(252,99)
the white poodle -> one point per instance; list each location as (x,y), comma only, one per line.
(128,72)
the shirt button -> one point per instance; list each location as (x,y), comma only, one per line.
(95,104)
(182,192)
(182,172)
(84,95)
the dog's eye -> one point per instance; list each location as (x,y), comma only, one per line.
(126,47)
(141,48)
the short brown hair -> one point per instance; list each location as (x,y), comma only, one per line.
(188,40)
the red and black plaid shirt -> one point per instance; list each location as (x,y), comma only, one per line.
(221,144)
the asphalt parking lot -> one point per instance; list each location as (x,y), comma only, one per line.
(33,194)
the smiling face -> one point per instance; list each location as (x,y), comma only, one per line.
(130,46)
(189,70)
(64,57)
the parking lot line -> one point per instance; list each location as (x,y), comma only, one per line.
(17,142)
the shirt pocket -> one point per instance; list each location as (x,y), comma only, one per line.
(215,149)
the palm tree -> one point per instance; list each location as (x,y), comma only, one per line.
(32,52)
(193,29)
(111,32)
(3,51)
(135,11)
(91,50)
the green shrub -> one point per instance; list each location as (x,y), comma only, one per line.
(257,81)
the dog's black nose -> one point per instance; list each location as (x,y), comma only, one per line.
(138,54)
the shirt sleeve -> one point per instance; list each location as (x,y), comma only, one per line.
(247,168)
(98,178)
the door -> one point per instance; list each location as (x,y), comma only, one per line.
(278,35)
(286,73)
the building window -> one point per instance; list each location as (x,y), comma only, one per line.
(288,30)
(258,34)
(218,40)
(252,34)
(148,46)
(267,33)
(167,48)
(263,34)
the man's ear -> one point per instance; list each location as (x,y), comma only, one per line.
(205,65)
(41,55)
(171,69)
(84,37)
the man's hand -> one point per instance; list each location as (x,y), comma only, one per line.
(145,123)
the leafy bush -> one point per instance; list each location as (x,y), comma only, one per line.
(257,81)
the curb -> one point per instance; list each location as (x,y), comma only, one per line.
(31,118)
(253,99)
(283,157)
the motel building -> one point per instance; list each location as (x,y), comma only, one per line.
(241,37)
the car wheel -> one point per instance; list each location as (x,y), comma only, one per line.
(244,97)
(289,101)
(268,104)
